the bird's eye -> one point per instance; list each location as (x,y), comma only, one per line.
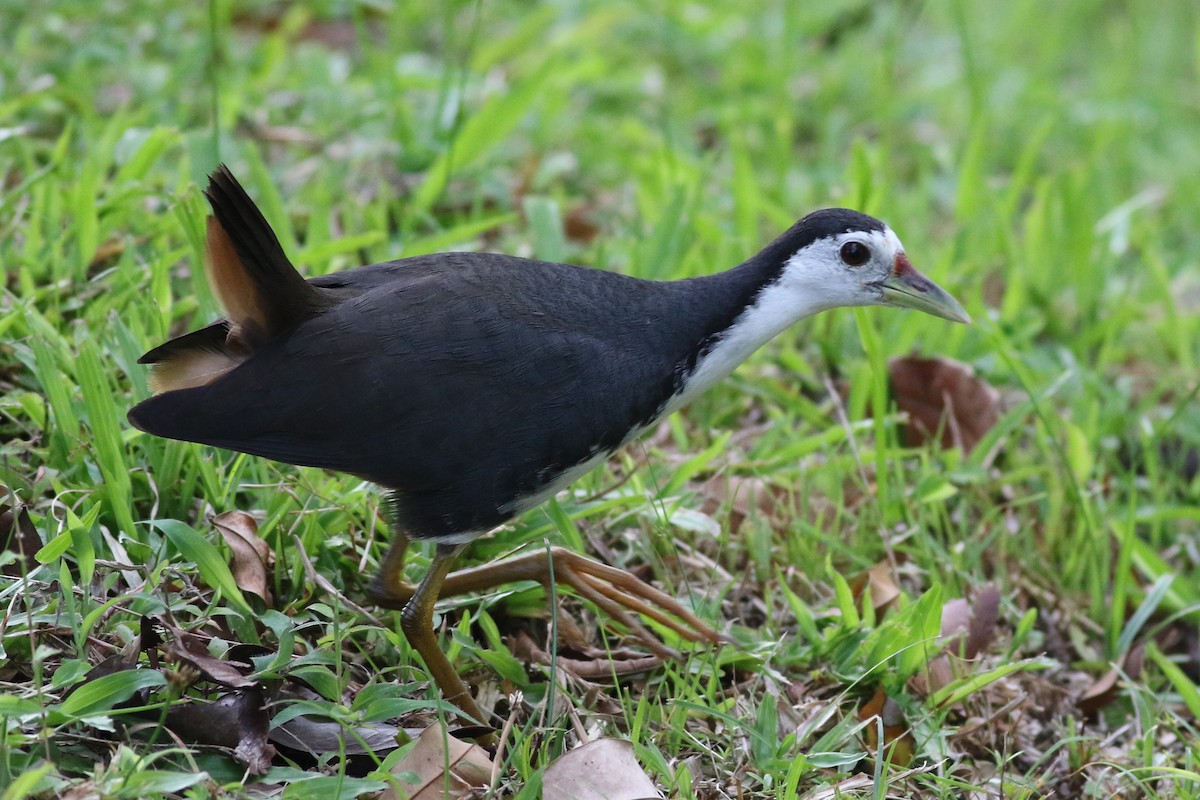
(855,254)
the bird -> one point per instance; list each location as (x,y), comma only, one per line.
(472,387)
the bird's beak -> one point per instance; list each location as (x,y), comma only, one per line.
(908,288)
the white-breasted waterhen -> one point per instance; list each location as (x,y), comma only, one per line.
(473,386)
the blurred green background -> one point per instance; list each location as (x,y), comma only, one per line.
(1040,161)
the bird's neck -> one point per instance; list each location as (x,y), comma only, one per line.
(758,307)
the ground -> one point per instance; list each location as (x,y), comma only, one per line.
(952,561)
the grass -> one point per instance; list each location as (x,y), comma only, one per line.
(1036,160)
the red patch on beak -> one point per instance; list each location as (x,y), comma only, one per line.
(902,268)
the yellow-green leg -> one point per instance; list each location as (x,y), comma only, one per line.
(416,619)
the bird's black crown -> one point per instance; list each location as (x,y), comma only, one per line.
(823,224)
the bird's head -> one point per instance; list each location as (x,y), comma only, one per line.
(847,258)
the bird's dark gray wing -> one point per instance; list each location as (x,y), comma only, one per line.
(467,386)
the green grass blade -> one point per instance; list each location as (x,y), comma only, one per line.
(1188,692)
(106,442)
(201,552)
(484,130)
(107,691)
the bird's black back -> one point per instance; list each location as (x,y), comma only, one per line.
(463,382)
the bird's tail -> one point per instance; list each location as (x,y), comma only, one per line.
(261,292)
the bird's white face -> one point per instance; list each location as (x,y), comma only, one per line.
(865,268)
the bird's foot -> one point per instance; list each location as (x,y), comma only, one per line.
(615,591)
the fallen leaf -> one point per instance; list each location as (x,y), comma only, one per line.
(956,617)
(114,683)
(86,790)
(981,629)
(968,628)
(119,662)
(747,497)
(318,737)
(334,34)
(898,743)
(843,788)
(445,768)
(105,256)
(603,769)
(251,555)
(190,649)
(570,635)
(237,720)
(938,674)
(578,225)
(943,396)
(1105,690)
(881,584)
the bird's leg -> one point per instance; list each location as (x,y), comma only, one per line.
(615,591)
(416,620)
(389,589)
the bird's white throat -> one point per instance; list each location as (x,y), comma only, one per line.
(811,281)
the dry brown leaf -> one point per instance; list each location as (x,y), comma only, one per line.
(881,583)
(981,629)
(251,555)
(603,769)
(1104,691)
(237,720)
(968,628)
(898,742)
(843,788)
(191,650)
(578,225)
(570,635)
(1100,693)
(106,255)
(944,396)
(446,768)
(939,673)
(334,34)
(118,662)
(87,790)
(942,670)
(747,496)
(956,618)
